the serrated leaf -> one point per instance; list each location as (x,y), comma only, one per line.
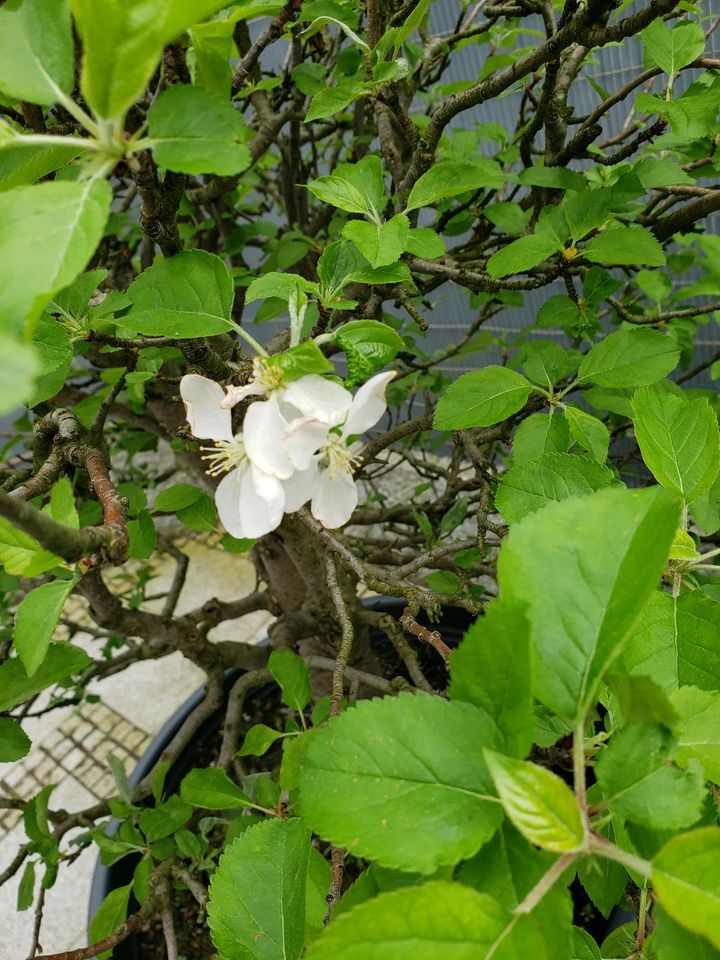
(625,245)
(380,244)
(258,740)
(588,432)
(531,484)
(673,49)
(678,439)
(70,217)
(193,131)
(539,804)
(437,919)
(673,942)
(213,789)
(522,255)
(293,675)
(491,669)
(677,641)
(481,398)
(538,434)
(36,619)
(629,358)
(14,742)
(258,893)
(448,178)
(686,879)
(638,779)
(354,187)
(32,56)
(188,295)
(62,660)
(697,730)
(606,552)
(387,768)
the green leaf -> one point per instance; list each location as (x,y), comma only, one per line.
(280,285)
(448,178)
(17,374)
(639,781)
(686,879)
(672,49)
(606,553)
(258,893)
(299,361)
(374,342)
(705,509)
(673,942)
(354,187)
(531,484)
(539,804)
(165,819)
(26,887)
(142,536)
(111,913)
(428,922)
(258,740)
(213,789)
(697,730)
(380,244)
(424,242)
(293,675)
(188,295)
(332,100)
(545,362)
(62,660)
(36,619)
(491,669)
(625,245)
(481,398)
(522,255)
(70,218)
(35,47)
(54,351)
(677,642)
(122,44)
(320,22)
(14,742)
(176,497)
(538,434)
(678,439)
(385,769)
(193,131)
(588,432)
(629,358)
(26,163)
(21,554)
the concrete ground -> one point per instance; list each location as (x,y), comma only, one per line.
(70,747)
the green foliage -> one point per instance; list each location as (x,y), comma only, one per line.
(481,398)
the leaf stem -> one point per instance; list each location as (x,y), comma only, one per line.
(610,851)
(579,766)
(545,883)
(248,338)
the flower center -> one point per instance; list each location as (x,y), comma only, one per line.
(339,455)
(270,377)
(224,455)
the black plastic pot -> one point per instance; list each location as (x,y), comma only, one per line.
(453,625)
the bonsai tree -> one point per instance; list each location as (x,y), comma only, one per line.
(228,233)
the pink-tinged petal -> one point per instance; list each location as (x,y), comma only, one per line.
(263,432)
(334,499)
(303,438)
(235,394)
(262,500)
(300,487)
(368,404)
(227,501)
(202,399)
(314,396)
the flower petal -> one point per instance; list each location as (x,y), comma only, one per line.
(300,487)
(263,432)
(334,499)
(368,404)
(236,394)
(302,440)
(202,399)
(314,396)
(227,501)
(262,499)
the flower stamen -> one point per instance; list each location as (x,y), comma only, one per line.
(340,456)
(225,455)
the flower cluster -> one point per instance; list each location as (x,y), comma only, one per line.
(296,446)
